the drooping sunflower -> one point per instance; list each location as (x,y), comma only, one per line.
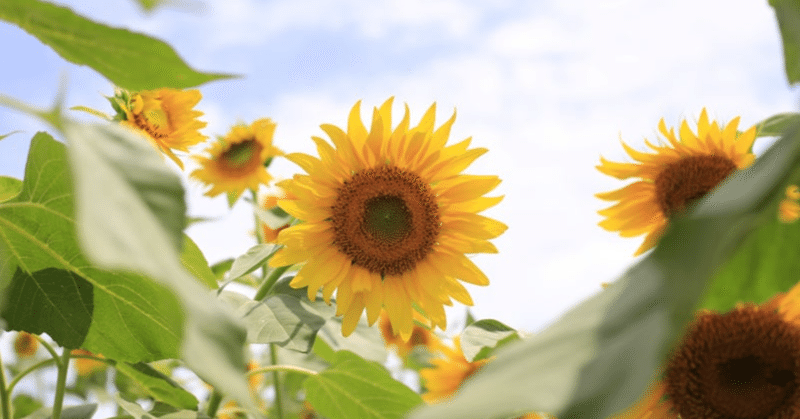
(672,176)
(237,161)
(448,372)
(388,218)
(420,335)
(744,364)
(165,115)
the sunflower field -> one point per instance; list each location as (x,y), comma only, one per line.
(338,311)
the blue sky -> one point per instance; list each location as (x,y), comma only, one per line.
(548,86)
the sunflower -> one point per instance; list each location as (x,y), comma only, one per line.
(237,161)
(165,115)
(420,335)
(744,364)
(789,208)
(269,203)
(388,218)
(25,345)
(87,366)
(449,371)
(672,176)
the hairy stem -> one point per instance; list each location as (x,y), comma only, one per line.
(61,384)
(268,283)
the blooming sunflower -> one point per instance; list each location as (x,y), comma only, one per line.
(744,364)
(237,161)
(672,176)
(388,218)
(448,372)
(165,115)
(420,335)
(87,366)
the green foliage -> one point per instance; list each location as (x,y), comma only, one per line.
(84,411)
(158,385)
(355,388)
(128,59)
(139,228)
(480,338)
(599,357)
(254,258)
(788,14)
(53,301)
(37,232)
(776,125)
(365,341)
(195,262)
(24,405)
(9,187)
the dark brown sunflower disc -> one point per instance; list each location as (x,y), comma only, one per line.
(688,179)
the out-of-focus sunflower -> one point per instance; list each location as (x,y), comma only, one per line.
(87,366)
(789,208)
(420,335)
(25,345)
(237,161)
(672,176)
(269,203)
(744,364)
(388,218)
(449,371)
(165,115)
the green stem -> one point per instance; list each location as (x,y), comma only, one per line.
(213,403)
(61,384)
(5,399)
(268,283)
(49,347)
(293,368)
(276,380)
(32,368)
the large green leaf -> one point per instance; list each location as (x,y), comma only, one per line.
(53,301)
(788,14)
(355,388)
(133,318)
(195,262)
(600,356)
(776,125)
(480,338)
(128,59)
(252,259)
(130,215)
(157,385)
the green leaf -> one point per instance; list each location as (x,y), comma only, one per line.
(282,319)
(195,262)
(128,59)
(221,267)
(138,228)
(24,405)
(600,356)
(481,337)
(150,5)
(10,133)
(53,301)
(776,125)
(158,385)
(254,258)
(365,341)
(9,187)
(355,388)
(788,14)
(84,411)
(133,318)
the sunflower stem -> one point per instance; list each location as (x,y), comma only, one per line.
(273,368)
(268,283)
(213,403)
(5,400)
(32,368)
(276,380)
(61,384)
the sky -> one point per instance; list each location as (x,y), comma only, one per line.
(547,86)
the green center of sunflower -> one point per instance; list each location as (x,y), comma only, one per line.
(740,365)
(241,157)
(386,220)
(689,179)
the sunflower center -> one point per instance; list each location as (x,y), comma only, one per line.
(386,220)
(688,179)
(241,157)
(740,365)
(155,121)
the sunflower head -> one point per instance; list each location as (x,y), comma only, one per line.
(166,116)
(238,161)
(744,364)
(448,372)
(86,366)
(269,202)
(388,218)
(25,345)
(420,335)
(672,175)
